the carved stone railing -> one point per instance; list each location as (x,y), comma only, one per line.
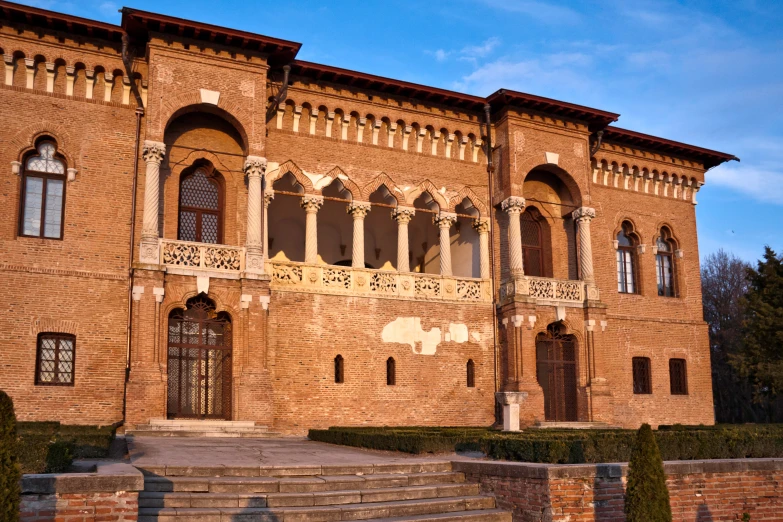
(202,256)
(328,279)
(547,290)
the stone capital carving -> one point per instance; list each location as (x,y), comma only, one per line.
(153,151)
(513,204)
(72,174)
(269,195)
(50,66)
(481,226)
(444,219)
(29,63)
(358,209)
(403,215)
(70,70)
(16,167)
(9,59)
(89,73)
(312,203)
(583,214)
(255,166)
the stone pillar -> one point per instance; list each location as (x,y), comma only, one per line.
(152,153)
(482,227)
(254,258)
(126,89)
(403,216)
(70,78)
(50,70)
(583,216)
(513,206)
(329,122)
(9,68)
(444,221)
(107,86)
(311,204)
(406,134)
(269,195)
(358,209)
(89,79)
(297,116)
(29,65)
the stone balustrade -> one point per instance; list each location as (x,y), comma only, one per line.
(546,290)
(203,256)
(329,279)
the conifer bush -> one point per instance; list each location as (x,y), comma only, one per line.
(9,467)
(646,495)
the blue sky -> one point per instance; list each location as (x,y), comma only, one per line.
(705,72)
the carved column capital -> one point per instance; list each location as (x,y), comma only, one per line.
(255,166)
(358,209)
(153,151)
(583,214)
(312,203)
(269,195)
(403,215)
(481,226)
(444,219)
(513,204)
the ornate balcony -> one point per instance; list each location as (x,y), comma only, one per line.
(188,257)
(559,292)
(328,279)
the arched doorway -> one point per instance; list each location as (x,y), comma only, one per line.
(199,361)
(556,372)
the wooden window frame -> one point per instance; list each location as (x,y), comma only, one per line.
(660,255)
(391,372)
(38,349)
(529,250)
(220,212)
(684,368)
(642,384)
(471,373)
(46,176)
(339,369)
(627,254)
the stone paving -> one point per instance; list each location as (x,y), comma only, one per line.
(185,451)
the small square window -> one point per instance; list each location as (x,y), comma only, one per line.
(55,359)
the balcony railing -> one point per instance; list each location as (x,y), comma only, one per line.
(545,289)
(202,256)
(341,280)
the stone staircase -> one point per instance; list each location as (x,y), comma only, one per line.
(543,425)
(428,491)
(200,428)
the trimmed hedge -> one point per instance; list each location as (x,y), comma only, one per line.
(568,446)
(49,447)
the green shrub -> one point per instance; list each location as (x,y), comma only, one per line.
(9,467)
(59,456)
(646,495)
(35,439)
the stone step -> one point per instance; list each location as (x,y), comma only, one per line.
(573,425)
(311,484)
(194,433)
(324,498)
(199,427)
(355,511)
(483,515)
(362,470)
(203,422)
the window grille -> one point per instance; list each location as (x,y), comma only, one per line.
(626,261)
(664,264)
(55,359)
(200,208)
(642,378)
(391,371)
(43,194)
(678,377)
(339,367)
(471,374)
(532,244)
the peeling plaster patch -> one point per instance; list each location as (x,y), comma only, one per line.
(475,336)
(407,330)
(458,332)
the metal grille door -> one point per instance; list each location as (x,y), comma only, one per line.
(199,362)
(556,371)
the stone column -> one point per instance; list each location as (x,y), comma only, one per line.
(583,216)
(50,70)
(444,221)
(269,195)
(403,216)
(254,258)
(513,206)
(152,153)
(70,78)
(311,204)
(9,68)
(482,227)
(358,209)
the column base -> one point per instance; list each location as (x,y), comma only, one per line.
(254,263)
(149,252)
(511,402)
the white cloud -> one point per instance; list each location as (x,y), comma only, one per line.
(480,51)
(760,183)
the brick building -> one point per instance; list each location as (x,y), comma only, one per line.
(199,225)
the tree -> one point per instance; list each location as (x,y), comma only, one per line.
(761,357)
(646,494)
(9,467)
(724,283)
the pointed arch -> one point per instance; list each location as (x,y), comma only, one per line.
(383,179)
(467,192)
(348,183)
(289,167)
(24,140)
(432,190)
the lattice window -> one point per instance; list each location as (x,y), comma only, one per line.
(678,377)
(339,369)
(471,370)
(626,261)
(200,208)
(56,356)
(532,244)
(642,375)
(391,372)
(43,194)
(664,264)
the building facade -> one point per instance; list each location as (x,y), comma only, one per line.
(198,225)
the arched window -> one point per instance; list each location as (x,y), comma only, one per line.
(471,374)
(532,243)
(43,194)
(339,367)
(391,372)
(200,208)
(626,260)
(664,264)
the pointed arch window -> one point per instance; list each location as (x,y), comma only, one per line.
(43,194)
(626,260)
(532,243)
(200,208)
(664,264)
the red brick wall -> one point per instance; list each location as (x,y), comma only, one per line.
(80,507)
